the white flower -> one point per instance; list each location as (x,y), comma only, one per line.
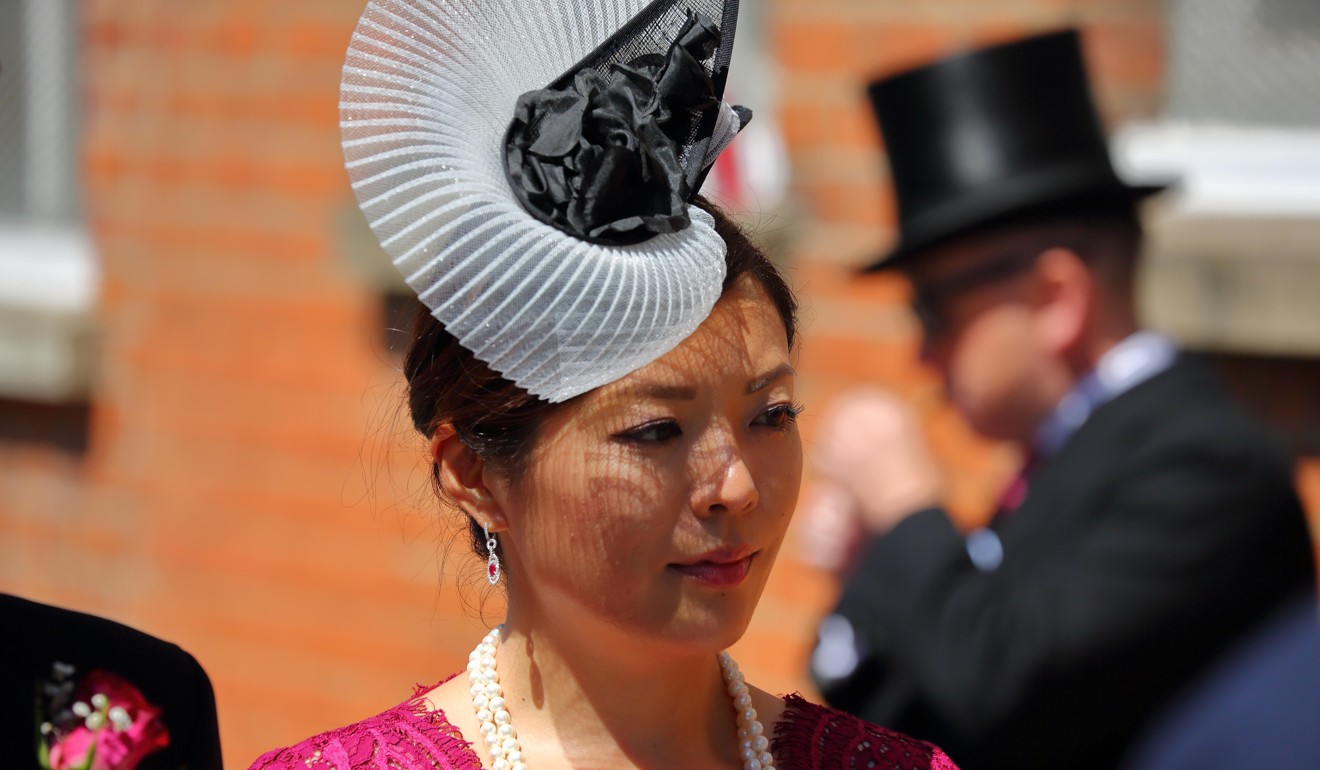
(120,719)
(82,709)
(99,701)
(95,720)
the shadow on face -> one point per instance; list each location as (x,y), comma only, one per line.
(652,508)
(978,313)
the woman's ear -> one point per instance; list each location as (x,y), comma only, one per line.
(1063,303)
(462,474)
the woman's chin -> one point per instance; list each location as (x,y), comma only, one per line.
(711,627)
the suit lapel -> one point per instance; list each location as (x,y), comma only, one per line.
(1066,490)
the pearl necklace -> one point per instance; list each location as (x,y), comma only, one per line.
(502,740)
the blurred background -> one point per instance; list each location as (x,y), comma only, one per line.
(201,422)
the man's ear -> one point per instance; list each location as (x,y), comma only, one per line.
(462,477)
(1063,300)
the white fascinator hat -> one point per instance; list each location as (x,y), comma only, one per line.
(529,165)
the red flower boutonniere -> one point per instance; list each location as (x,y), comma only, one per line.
(99,723)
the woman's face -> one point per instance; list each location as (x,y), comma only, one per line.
(652,508)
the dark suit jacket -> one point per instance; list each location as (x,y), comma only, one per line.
(1256,709)
(1166,526)
(37,635)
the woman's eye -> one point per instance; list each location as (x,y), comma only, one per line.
(656,432)
(779,416)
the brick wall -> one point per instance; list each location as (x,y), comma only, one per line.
(249,489)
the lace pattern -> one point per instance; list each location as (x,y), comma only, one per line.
(812,737)
(412,737)
(407,737)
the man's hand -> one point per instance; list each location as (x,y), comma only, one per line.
(830,533)
(871,450)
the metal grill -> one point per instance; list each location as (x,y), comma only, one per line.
(13,130)
(38,105)
(1245,62)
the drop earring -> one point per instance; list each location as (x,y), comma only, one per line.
(492,559)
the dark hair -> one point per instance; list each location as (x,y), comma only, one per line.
(498,420)
(1106,233)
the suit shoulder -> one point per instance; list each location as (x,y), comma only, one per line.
(815,737)
(52,628)
(1189,405)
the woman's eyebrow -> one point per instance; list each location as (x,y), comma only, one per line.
(670,392)
(783,370)
(688,393)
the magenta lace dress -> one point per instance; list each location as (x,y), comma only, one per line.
(411,737)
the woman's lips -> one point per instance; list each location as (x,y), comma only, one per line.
(724,570)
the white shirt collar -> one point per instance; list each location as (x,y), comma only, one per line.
(1137,358)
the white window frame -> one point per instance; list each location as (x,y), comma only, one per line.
(1225,170)
(1230,264)
(49,272)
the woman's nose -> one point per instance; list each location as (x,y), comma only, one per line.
(728,485)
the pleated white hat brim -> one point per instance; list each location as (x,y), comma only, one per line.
(429,89)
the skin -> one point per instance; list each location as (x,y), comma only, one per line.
(1013,348)
(995,358)
(1008,351)
(610,658)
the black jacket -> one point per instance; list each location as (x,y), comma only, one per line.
(1256,708)
(37,635)
(1164,528)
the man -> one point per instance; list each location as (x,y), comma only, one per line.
(1154,520)
(56,664)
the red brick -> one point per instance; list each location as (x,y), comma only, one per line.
(106,33)
(811,124)
(1125,53)
(829,282)
(239,37)
(1308,485)
(998,32)
(871,50)
(885,49)
(813,46)
(864,363)
(318,41)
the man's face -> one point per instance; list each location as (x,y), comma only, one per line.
(973,300)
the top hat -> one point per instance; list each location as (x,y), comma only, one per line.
(998,133)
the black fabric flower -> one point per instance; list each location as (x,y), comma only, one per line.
(600,158)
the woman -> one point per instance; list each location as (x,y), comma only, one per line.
(605,380)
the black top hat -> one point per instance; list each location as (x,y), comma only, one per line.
(993,134)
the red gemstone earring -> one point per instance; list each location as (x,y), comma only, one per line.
(492,559)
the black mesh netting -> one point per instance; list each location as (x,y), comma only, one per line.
(652,32)
(614,148)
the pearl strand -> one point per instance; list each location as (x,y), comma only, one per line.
(753,745)
(488,701)
(502,740)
